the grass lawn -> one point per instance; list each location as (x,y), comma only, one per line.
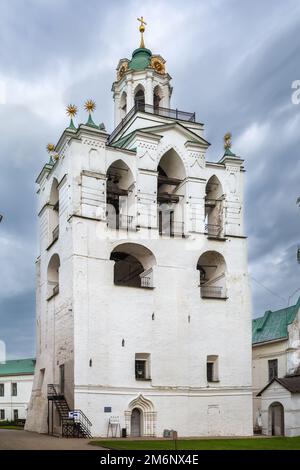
(274,443)
(12,426)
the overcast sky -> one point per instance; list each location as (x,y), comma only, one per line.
(233,62)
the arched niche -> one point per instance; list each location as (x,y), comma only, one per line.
(133,265)
(53,275)
(212,270)
(214,202)
(139,98)
(120,196)
(171,194)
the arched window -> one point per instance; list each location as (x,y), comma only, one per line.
(212,268)
(54,212)
(123,105)
(53,276)
(133,265)
(214,208)
(120,196)
(139,99)
(171,194)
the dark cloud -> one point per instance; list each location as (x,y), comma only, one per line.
(18,325)
(232,62)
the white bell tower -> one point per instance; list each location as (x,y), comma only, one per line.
(141,82)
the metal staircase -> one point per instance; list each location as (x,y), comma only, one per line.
(74,423)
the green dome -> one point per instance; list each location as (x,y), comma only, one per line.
(140,59)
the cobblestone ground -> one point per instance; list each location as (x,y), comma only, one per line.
(23,440)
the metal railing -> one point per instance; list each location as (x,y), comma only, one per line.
(55,233)
(146,281)
(81,420)
(126,222)
(213,292)
(76,418)
(117,222)
(53,390)
(174,229)
(210,202)
(149,108)
(212,230)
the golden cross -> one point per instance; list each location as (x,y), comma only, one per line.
(142,29)
(141,19)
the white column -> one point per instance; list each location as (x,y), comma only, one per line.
(117,108)
(149,91)
(129,91)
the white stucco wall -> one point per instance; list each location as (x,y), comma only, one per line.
(291,404)
(9,403)
(287,353)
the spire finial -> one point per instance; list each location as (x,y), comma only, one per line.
(227,140)
(142,30)
(71,112)
(90,107)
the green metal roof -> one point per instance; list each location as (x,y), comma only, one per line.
(17,367)
(140,59)
(274,325)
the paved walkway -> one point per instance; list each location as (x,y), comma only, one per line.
(11,439)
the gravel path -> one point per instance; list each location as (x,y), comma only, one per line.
(24,440)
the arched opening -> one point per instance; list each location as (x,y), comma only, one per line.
(157,98)
(133,265)
(214,208)
(212,268)
(120,196)
(136,422)
(171,194)
(145,417)
(123,105)
(139,98)
(276,419)
(54,212)
(53,276)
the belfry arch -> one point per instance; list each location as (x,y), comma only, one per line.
(120,196)
(171,194)
(139,98)
(214,208)
(54,212)
(133,265)
(212,268)
(123,105)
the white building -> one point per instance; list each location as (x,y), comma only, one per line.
(276,371)
(143,309)
(16,379)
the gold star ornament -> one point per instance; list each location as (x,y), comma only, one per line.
(227,140)
(50,148)
(71,110)
(90,106)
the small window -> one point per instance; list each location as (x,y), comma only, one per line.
(273,369)
(1,390)
(62,378)
(14,389)
(16,415)
(212,373)
(142,366)
(2,415)
(41,379)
